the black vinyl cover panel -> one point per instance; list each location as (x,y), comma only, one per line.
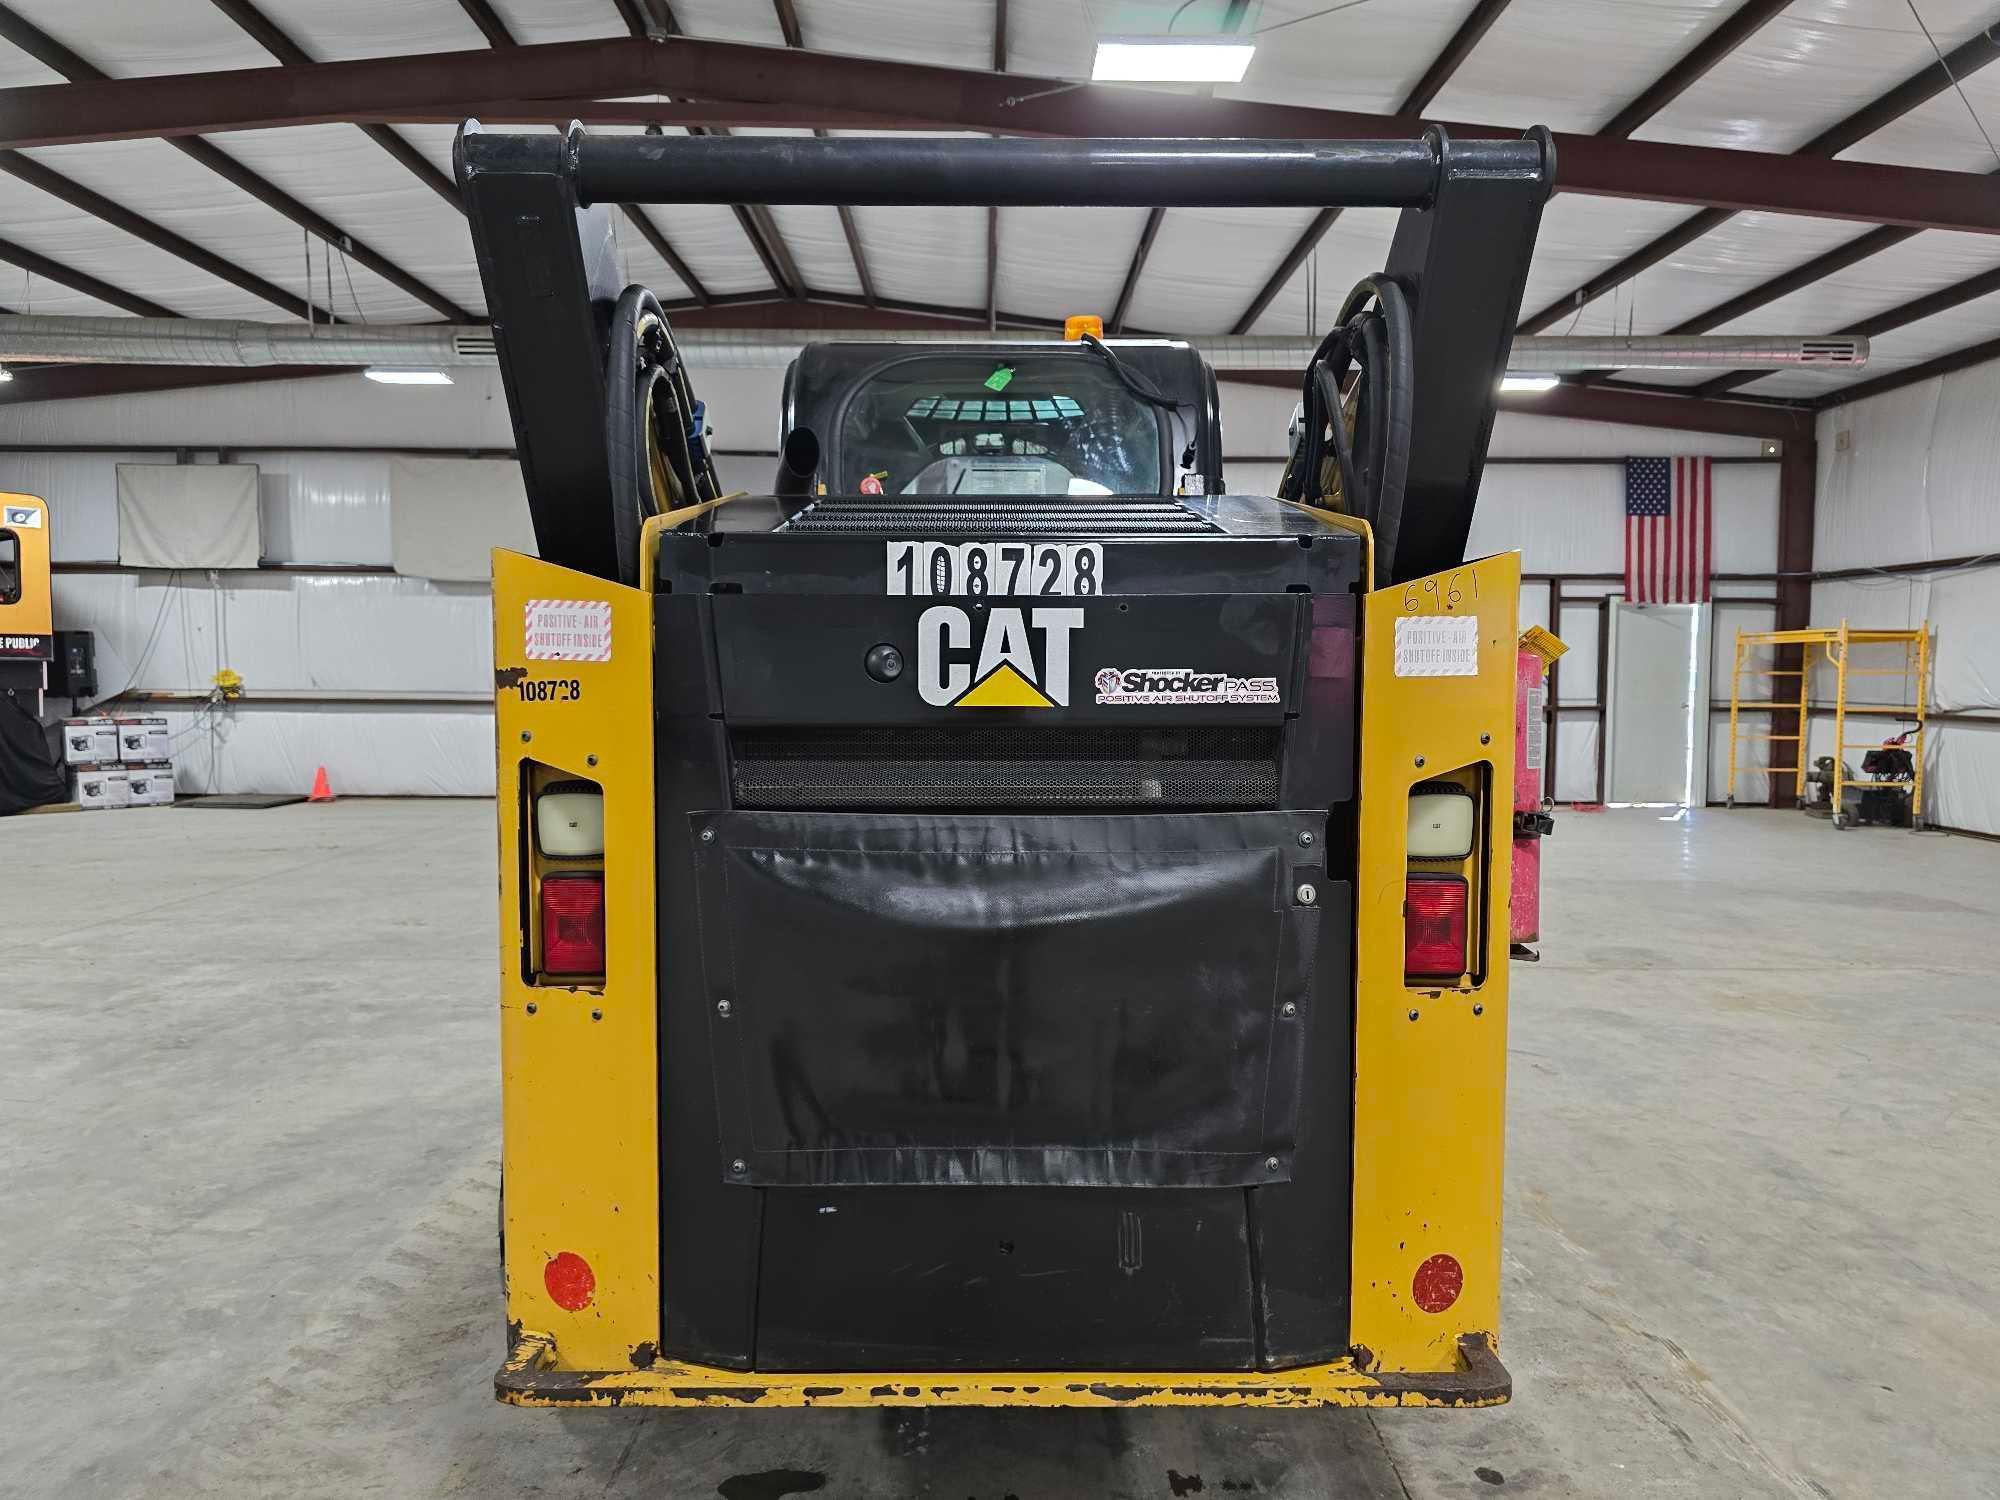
(1088,1001)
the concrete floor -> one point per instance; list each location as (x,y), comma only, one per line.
(248,1155)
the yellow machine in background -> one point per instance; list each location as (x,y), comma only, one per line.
(27,619)
(29,775)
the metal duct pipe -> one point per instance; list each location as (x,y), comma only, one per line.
(238,344)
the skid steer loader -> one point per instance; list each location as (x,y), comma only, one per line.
(1000,918)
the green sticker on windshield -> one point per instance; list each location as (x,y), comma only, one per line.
(997,381)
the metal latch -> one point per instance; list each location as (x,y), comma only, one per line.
(1533,825)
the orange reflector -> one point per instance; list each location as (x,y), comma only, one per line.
(1434,917)
(1437,1283)
(1082,323)
(570,1281)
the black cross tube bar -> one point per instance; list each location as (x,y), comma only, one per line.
(1007,173)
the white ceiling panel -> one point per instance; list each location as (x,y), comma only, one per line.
(128,40)
(947,33)
(1059,261)
(734,20)
(1581,237)
(80,243)
(530,21)
(926,254)
(1942,132)
(1208,262)
(163,185)
(819,247)
(1570,65)
(1811,66)
(372,28)
(1741,254)
(340,174)
(1898,274)
(1367,58)
(1356,245)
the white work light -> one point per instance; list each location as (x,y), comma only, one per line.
(407,377)
(1166,59)
(1440,825)
(569,824)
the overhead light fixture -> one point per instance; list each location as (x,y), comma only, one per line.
(1170,59)
(1528,382)
(407,377)
(5,374)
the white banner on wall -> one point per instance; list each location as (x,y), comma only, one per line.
(188,516)
(446,515)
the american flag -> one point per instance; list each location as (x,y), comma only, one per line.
(1669,530)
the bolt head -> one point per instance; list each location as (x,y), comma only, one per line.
(1307,894)
(1486,739)
(1479,1010)
(1413,1015)
(532,1007)
(590,760)
(708,835)
(1271,1164)
(1420,762)
(597,1015)
(1305,838)
(739,1166)
(722,1008)
(884,663)
(1288,1009)
(527,735)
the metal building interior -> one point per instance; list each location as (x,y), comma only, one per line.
(264,422)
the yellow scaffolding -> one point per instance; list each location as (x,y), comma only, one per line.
(1837,644)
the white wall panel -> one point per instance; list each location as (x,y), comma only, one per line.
(324,507)
(284,632)
(1578,744)
(377,751)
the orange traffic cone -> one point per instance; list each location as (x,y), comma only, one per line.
(322,791)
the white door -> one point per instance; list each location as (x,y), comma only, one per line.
(1656,724)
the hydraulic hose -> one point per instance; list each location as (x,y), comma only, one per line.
(1352,452)
(654,444)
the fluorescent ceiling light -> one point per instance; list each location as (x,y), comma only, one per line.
(1162,59)
(408,377)
(1528,382)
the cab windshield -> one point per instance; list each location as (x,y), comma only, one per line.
(986,424)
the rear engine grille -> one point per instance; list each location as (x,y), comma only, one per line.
(986,515)
(1006,768)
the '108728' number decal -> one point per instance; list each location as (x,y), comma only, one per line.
(977,570)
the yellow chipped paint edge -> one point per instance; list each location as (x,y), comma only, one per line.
(1429,1093)
(579,1102)
(1340,1383)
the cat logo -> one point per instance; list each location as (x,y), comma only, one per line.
(1022,661)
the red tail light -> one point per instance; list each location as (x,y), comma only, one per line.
(1434,920)
(573,924)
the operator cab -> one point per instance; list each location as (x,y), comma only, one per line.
(1000,417)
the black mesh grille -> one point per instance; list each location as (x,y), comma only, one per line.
(1027,515)
(997,768)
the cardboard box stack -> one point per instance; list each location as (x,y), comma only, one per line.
(118,762)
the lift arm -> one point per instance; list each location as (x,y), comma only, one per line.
(547,254)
